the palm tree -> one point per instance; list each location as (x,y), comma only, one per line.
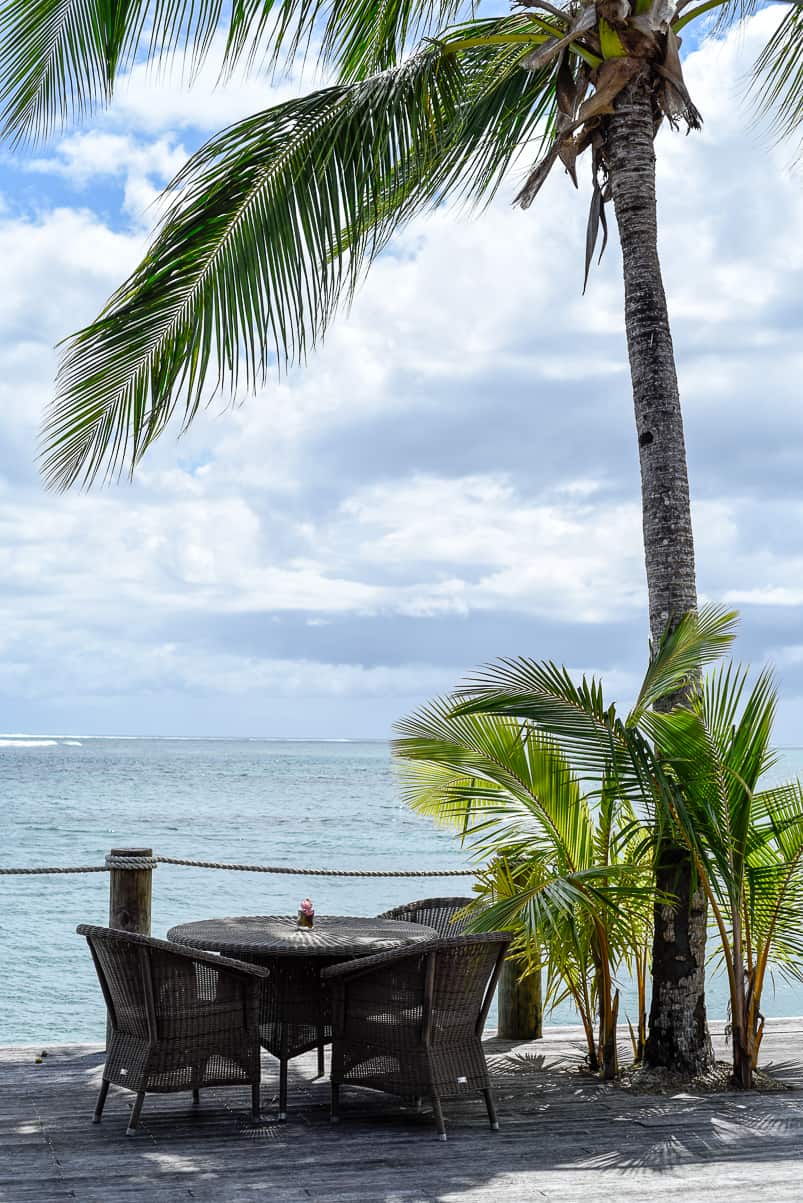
(272,224)
(560,864)
(567,803)
(746,842)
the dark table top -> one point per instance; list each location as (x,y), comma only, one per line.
(280,935)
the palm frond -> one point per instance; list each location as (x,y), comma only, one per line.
(272,227)
(503,112)
(778,76)
(698,639)
(240,273)
(544,694)
(545,905)
(780,810)
(60,59)
(361,37)
(574,714)
(713,753)
(504,786)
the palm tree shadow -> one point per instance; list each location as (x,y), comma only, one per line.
(664,1137)
(789,1072)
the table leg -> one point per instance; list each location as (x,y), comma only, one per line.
(282,1089)
(284,1057)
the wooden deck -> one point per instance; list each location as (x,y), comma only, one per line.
(562,1138)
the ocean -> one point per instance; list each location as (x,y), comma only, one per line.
(68,800)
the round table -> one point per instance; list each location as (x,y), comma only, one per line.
(295,1013)
(337,936)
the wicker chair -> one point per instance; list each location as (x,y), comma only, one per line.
(433,912)
(179,1019)
(409,1022)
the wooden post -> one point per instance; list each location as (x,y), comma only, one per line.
(519,1003)
(130,898)
(130,893)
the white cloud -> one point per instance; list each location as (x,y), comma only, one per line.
(81,157)
(143,166)
(538,555)
(57,268)
(170,667)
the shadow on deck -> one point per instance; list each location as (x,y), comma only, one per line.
(563,1137)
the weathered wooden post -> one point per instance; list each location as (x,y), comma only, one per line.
(519,1003)
(130,892)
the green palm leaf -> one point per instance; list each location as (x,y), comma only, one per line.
(362,37)
(485,774)
(241,271)
(510,791)
(59,59)
(249,268)
(697,640)
(568,873)
(779,74)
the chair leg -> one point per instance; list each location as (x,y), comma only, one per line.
(489,1103)
(133,1119)
(334,1112)
(104,1090)
(439,1120)
(282,1089)
(196,1097)
(321,1066)
(255,1102)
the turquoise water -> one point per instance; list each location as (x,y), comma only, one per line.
(326,805)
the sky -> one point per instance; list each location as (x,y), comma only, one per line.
(452,477)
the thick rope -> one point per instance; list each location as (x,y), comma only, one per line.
(67,869)
(112,862)
(150,862)
(211,864)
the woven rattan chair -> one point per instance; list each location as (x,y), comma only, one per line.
(178,1019)
(410,1021)
(433,912)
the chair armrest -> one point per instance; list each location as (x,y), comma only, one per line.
(352,969)
(227,963)
(348,970)
(182,950)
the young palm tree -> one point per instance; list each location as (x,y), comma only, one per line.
(746,842)
(565,800)
(274,221)
(602,747)
(560,865)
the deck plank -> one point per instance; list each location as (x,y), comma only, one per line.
(563,1137)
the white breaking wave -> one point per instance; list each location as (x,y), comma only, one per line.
(28,743)
(24,739)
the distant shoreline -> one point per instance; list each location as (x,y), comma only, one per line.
(29,738)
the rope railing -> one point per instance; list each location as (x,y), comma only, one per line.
(151,862)
(130,872)
(56,869)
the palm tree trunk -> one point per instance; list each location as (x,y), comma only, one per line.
(740,1035)
(678,1034)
